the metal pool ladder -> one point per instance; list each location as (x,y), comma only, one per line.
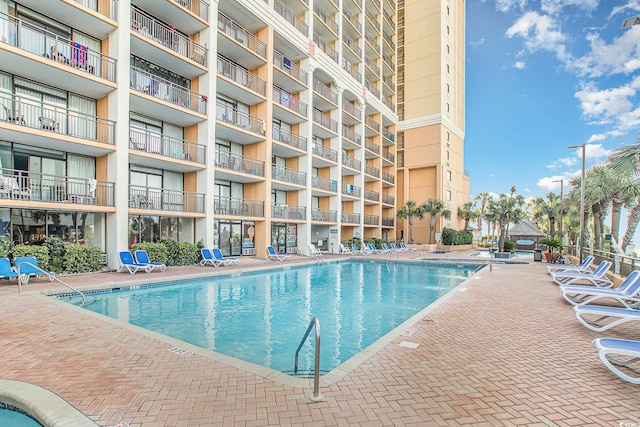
(50,276)
(316,372)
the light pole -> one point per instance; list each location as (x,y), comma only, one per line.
(581,237)
(561,181)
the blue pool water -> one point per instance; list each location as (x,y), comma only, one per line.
(13,418)
(261,317)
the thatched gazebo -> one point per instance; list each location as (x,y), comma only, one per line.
(526,235)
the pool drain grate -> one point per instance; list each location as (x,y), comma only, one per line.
(180,352)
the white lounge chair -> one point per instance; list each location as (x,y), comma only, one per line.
(313,251)
(610,350)
(600,318)
(627,294)
(275,256)
(597,277)
(582,268)
(344,250)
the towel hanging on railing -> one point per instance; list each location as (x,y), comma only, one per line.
(79,53)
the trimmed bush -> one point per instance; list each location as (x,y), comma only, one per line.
(56,248)
(453,237)
(41,254)
(509,246)
(172,248)
(82,259)
(157,251)
(189,254)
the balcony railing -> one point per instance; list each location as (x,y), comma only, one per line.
(165,200)
(351,108)
(289,138)
(239,163)
(325,215)
(291,102)
(352,19)
(351,135)
(288,175)
(389,40)
(351,162)
(284,211)
(372,195)
(387,221)
(167,146)
(372,88)
(389,83)
(242,36)
(352,69)
(160,33)
(377,3)
(325,91)
(387,199)
(388,155)
(373,171)
(389,62)
(241,76)
(350,218)
(39,41)
(324,120)
(143,81)
(327,153)
(389,19)
(351,190)
(325,47)
(291,17)
(324,183)
(389,103)
(25,112)
(371,146)
(371,219)
(238,207)
(107,8)
(386,176)
(240,119)
(289,67)
(372,65)
(374,44)
(325,17)
(372,18)
(388,134)
(38,187)
(197,7)
(373,124)
(353,45)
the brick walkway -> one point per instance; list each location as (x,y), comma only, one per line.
(504,349)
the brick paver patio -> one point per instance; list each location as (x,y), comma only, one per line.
(504,349)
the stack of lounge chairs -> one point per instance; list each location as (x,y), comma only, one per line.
(599,307)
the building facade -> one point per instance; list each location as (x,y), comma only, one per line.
(237,123)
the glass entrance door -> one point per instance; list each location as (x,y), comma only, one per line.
(230,242)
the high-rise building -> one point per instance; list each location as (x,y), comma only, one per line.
(431,110)
(237,123)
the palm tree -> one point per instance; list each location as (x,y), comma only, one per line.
(434,207)
(599,182)
(483,198)
(506,209)
(468,213)
(625,162)
(410,211)
(547,209)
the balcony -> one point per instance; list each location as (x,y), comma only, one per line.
(329,126)
(373,124)
(159,199)
(288,138)
(372,20)
(288,175)
(374,46)
(177,104)
(324,184)
(351,19)
(375,70)
(389,82)
(324,215)
(325,153)
(291,110)
(388,137)
(296,78)
(351,190)
(190,16)
(164,44)
(291,17)
(372,88)
(354,112)
(390,65)
(352,70)
(284,211)
(240,84)
(387,177)
(372,196)
(353,45)
(21,114)
(372,147)
(350,139)
(324,98)
(388,155)
(18,188)
(238,207)
(330,28)
(350,218)
(350,162)
(47,58)
(238,126)
(167,147)
(228,165)
(325,47)
(387,221)
(239,44)
(388,200)
(371,219)
(373,171)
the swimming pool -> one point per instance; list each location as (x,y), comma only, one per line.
(13,417)
(261,317)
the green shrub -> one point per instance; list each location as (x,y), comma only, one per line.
(82,259)
(5,246)
(453,237)
(188,254)
(41,254)
(172,248)
(56,248)
(509,246)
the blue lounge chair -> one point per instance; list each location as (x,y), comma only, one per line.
(627,294)
(27,267)
(373,249)
(143,258)
(356,251)
(275,256)
(395,248)
(406,248)
(609,350)
(208,258)
(222,259)
(600,318)
(128,263)
(6,270)
(597,277)
(582,268)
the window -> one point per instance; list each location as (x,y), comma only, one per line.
(448,195)
(447,154)
(448,174)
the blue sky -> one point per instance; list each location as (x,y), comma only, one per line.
(544,75)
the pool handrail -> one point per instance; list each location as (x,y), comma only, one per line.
(316,371)
(48,274)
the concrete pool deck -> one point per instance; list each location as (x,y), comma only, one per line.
(504,349)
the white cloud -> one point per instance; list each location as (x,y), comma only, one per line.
(477,43)
(618,57)
(551,183)
(595,151)
(563,162)
(555,6)
(540,32)
(507,5)
(520,65)
(632,6)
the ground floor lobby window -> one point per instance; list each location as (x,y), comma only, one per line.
(284,237)
(151,228)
